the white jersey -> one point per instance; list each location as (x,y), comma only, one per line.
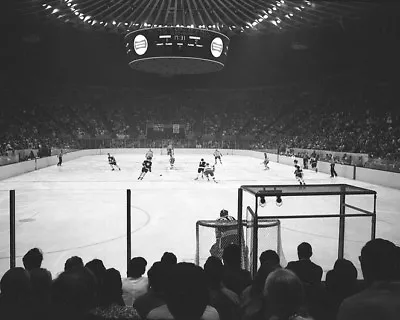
(149,154)
(217,153)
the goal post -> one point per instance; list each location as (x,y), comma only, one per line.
(261,192)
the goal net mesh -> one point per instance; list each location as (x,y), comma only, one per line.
(212,237)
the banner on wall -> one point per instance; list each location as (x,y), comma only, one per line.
(175,128)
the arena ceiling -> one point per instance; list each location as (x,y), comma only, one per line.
(329,38)
(228,16)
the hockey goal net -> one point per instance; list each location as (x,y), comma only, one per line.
(213,236)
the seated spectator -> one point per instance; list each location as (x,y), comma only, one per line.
(381,299)
(135,285)
(252,298)
(73,263)
(41,281)
(284,296)
(169,258)
(112,306)
(224,300)
(155,296)
(270,257)
(304,268)
(16,293)
(97,267)
(234,277)
(186,296)
(33,259)
(341,283)
(73,294)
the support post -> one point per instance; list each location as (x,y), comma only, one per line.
(197,258)
(240,218)
(342,222)
(255,242)
(373,222)
(128,227)
(12,229)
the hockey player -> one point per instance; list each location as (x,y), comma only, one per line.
(333,171)
(171,162)
(149,154)
(170,150)
(298,173)
(266,161)
(209,172)
(60,156)
(217,155)
(112,162)
(200,170)
(314,162)
(146,167)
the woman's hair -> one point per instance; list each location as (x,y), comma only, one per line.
(284,294)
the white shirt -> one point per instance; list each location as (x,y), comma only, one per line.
(134,288)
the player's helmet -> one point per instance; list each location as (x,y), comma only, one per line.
(207,164)
(295,161)
(108,154)
(223,213)
(202,160)
(148,158)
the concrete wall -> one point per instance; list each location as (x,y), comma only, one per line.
(384,178)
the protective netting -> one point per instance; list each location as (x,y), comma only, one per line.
(212,237)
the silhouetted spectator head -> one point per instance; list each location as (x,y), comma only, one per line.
(113,287)
(41,281)
(284,294)
(378,260)
(214,270)
(232,256)
(73,263)
(304,250)
(345,269)
(157,276)
(263,272)
(169,258)
(73,294)
(136,267)
(186,291)
(33,259)
(270,257)
(98,269)
(15,286)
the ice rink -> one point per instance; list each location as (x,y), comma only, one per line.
(80,209)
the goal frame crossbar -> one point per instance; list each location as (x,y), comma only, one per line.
(341,190)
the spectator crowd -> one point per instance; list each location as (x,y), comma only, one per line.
(347,118)
(219,290)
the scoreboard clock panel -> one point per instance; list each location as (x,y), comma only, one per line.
(177,50)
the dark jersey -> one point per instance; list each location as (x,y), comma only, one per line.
(111,160)
(298,172)
(202,165)
(146,165)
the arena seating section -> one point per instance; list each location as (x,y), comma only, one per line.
(349,117)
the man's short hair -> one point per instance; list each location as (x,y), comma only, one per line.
(33,259)
(169,258)
(378,260)
(73,263)
(269,256)
(136,267)
(304,250)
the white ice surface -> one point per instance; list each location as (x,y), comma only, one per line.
(80,209)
